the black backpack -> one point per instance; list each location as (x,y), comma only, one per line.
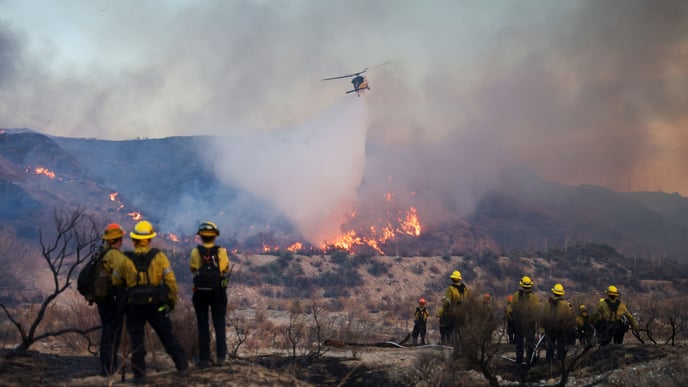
(208,279)
(144,293)
(94,282)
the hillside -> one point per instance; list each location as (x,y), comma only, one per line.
(168,181)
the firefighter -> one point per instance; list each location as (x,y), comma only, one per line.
(420,322)
(525,311)
(151,292)
(584,330)
(454,296)
(612,318)
(558,321)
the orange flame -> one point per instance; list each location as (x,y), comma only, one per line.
(44,171)
(408,224)
(113,196)
(173,237)
(135,215)
(295,247)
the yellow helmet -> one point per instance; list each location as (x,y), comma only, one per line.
(208,228)
(558,289)
(143,230)
(612,291)
(456,275)
(582,307)
(526,282)
(113,231)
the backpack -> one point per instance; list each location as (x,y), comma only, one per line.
(143,293)
(208,278)
(613,308)
(94,281)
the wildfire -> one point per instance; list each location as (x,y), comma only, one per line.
(44,171)
(295,247)
(135,215)
(113,196)
(406,224)
(173,237)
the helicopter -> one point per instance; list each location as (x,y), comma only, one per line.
(359,81)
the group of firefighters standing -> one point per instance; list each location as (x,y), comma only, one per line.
(525,316)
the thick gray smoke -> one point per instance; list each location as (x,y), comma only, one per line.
(309,173)
(581,92)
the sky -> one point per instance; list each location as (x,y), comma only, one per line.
(581,92)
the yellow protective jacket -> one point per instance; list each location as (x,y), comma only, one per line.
(125,273)
(582,320)
(606,312)
(455,294)
(112,259)
(525,310)
(557,315)
(421,314)
(195,262)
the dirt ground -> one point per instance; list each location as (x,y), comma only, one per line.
(624,365)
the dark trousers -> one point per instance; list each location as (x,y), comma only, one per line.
(524,336)
(137,316)
(611,330)
(110,336)
(217,303)
(556,345)
(419,328)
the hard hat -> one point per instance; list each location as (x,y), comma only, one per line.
(456,275)
(558,289)
(486,297)
(113,231)
(421,301)
(510,298)
(582,307)
(612,291)
(143,230)
(208,228)
(526,282)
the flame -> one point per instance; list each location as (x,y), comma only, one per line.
(406,223)
(412,225)
(135,215)
(113,196)
(267,248)
(173,237)
(295,247)
(44,171)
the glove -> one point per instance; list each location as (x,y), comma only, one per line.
(224,282)
(166,308)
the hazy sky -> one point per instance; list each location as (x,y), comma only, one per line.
(580,91)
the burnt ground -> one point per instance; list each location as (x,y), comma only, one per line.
(627,365)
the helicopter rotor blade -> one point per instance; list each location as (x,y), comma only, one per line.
(380,65)
(346,76)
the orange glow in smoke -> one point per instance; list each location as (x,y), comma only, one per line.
(113,196)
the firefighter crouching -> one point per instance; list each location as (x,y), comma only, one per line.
(612,318)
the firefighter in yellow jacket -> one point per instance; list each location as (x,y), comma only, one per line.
(584,330)
(151,292)
(525,314)
(454,296)
(558,321)
(209,264)
(612,318)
